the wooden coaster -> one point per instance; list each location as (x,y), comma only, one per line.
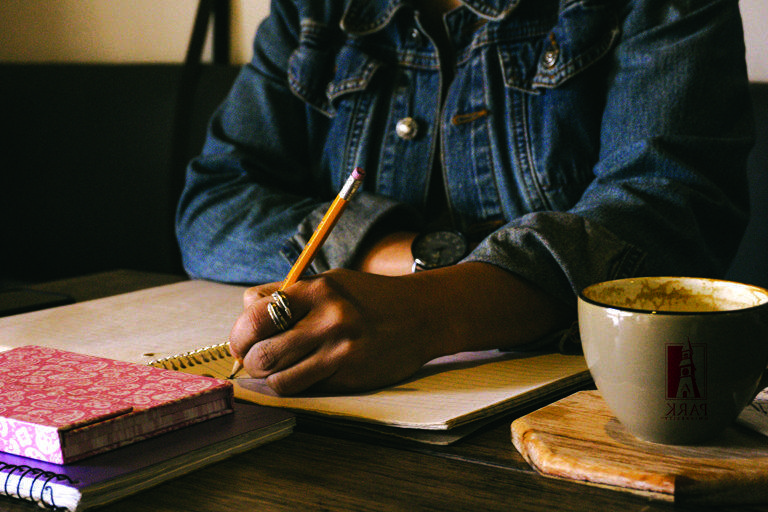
(577,438)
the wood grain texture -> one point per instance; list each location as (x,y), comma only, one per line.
(578,439)
(311,472)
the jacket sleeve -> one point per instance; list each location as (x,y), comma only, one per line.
(669,189)
(255,194)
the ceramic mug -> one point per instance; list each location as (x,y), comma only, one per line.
(675,358)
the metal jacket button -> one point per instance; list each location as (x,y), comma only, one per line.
(407,128)
(416,36)
(550,58)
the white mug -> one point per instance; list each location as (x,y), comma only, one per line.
(675,358)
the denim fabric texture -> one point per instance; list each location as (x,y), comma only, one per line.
(579,140)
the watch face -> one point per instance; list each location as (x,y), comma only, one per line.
(438,249)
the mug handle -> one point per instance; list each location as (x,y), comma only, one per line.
(763,384)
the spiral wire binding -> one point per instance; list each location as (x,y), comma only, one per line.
(46,491)
(193,357)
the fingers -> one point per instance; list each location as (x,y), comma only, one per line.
(267,344)
(250,326)
(328,342)
(256,323)
(302,375)
(321,370)
(277,353)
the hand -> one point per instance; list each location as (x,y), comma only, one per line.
(354,331)
(345,334)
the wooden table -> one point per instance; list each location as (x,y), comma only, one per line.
(318,469)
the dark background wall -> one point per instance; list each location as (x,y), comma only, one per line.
(751,262)
(91,164)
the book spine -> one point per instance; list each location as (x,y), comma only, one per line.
(31,484)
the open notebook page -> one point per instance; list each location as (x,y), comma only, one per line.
(446,393)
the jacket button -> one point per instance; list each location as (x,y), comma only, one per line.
(550,58)
(407,128)
(416,36)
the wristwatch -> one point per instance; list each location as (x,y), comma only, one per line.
(435,249)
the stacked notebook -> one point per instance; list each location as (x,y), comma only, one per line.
(118,473)
(60,406)
(78,430)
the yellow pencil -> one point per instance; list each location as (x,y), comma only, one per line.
(318,238)
(324,228)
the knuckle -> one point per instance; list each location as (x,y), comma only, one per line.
(262,356)
(344,351)
(249,296)
(242,332)
(333,315)
(250,317)
(324,286)
(341,322)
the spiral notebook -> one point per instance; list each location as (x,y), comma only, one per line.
(447,399)
(110,476)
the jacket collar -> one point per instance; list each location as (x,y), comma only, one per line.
(366,16)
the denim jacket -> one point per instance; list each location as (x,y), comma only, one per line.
(583,140)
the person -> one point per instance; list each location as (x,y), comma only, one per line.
(570,142)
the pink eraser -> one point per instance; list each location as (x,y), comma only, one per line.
(358,173)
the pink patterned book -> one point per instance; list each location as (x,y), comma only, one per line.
(60,406)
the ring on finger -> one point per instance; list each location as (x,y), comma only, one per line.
(277,317)
(282,301)
(279,311)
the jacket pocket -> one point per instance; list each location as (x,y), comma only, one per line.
(325,67)
(584,32)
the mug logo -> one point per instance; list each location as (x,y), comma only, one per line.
(686,371)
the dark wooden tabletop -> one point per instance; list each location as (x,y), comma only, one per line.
(320,468)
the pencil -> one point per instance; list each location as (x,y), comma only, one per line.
(318,238)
